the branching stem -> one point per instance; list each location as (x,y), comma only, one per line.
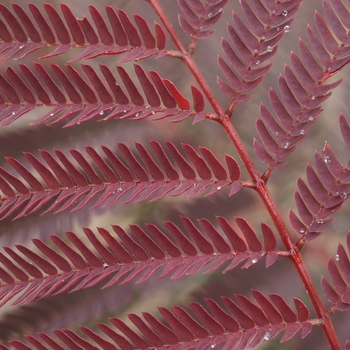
(260,187)
(187,58)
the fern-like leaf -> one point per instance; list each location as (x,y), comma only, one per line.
(94,98)
(127,258)
(303,90)
(198,17)
(66,184)
(251,45)
(339,271)
(240,325)
(329,188)
(66,31)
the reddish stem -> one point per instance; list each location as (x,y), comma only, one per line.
(187,58)
(261,188)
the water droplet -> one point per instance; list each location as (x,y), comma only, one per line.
(286,29)
(276,133)
(105,264)
(212,346)
(302,230)
(137,114)
(78,123)
(267,335)
(328,69)
(220,9)
(278,28)
(302,132)
(337,257)
(102,112)
(254,261)
(312,97)
(257,62)
(343,195)
(13,113)
(219,187)
(319,221)
(153,112)
(21,47)
(284,13)
(194,185)
(286,145)
(116,83)
(51,114)
(263,37)
(124,111)
(119,189)
(326,159)
(311,119)
(269,49)
(255,51)
(210,15)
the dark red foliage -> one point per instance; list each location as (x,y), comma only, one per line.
(84,265)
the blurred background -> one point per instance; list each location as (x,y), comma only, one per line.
(93,305)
